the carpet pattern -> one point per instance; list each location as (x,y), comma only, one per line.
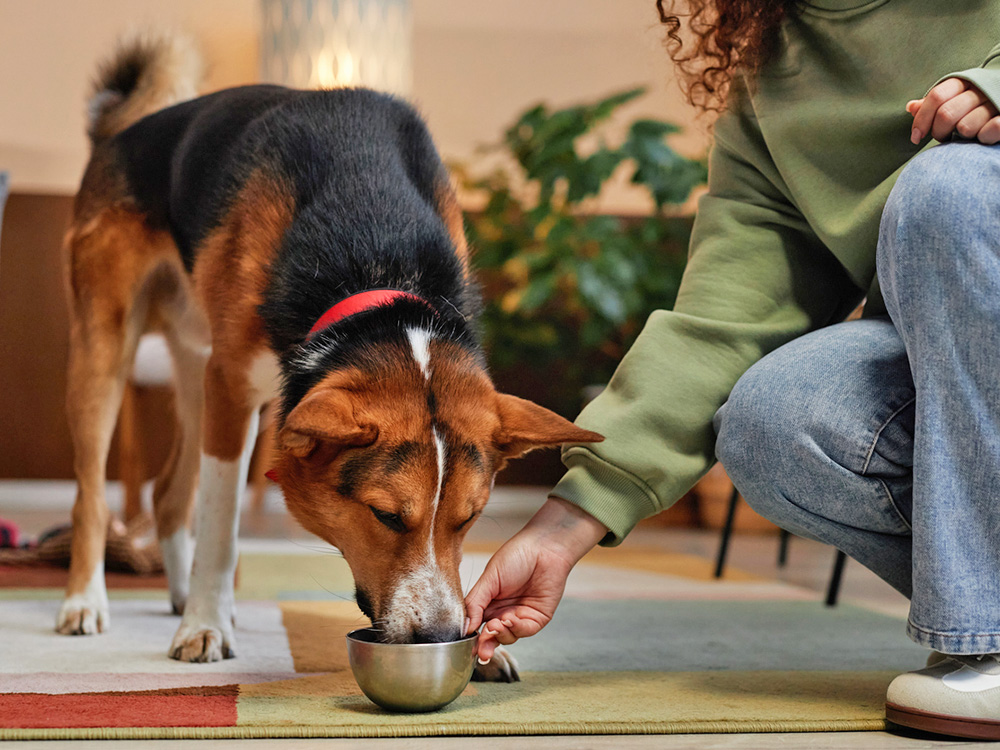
(644,642)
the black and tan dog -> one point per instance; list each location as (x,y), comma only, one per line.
(298,245)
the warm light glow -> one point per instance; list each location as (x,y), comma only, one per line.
(345,69)
(329,43)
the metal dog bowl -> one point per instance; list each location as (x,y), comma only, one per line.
(411,677)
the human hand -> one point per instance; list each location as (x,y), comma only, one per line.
(954,106)
(522,585)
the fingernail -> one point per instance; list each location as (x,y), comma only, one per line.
(488,633)
(916,136)
(465,630)
(481,661)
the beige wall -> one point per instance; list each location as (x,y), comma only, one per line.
(476,64)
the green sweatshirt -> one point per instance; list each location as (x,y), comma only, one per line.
(784,240)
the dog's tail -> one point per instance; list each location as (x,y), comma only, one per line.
(148,71)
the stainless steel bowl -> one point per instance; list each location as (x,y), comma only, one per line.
(411,677)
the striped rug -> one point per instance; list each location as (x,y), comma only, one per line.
(644,642)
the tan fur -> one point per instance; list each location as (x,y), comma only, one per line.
(469,412)
(112,299)
(451,213)
(231,276)
(173,75)
(125,278)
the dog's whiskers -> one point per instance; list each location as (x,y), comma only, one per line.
(326,550)
(332,593)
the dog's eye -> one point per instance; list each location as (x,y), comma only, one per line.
(391,521)
(467,521)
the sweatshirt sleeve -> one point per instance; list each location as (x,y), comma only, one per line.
(986,77)
(756,278)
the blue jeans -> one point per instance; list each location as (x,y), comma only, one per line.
(882,436)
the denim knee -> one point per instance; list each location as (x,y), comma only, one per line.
(940,197)
(754,441)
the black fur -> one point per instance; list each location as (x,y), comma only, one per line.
(363,173)
(400,456)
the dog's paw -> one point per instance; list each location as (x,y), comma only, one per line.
(198,641)
(501,668)
(83,614)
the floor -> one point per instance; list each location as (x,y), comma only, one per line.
(36,507)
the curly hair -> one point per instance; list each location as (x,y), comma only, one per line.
(726,35)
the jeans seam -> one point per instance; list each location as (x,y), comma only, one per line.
(893,503)
(922,629)
(871,452)
(878,434)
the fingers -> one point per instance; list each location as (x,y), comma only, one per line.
(926,115)
(990,132)
(495,632)
(953,106)
(951,113)
(970,125)
(480,596)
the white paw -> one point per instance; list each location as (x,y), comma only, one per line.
(83,614)
(86,613)
(203,639)
(501,668)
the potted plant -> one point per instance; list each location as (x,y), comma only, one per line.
(567,290)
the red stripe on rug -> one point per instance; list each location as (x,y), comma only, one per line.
(50,576)
(38,711)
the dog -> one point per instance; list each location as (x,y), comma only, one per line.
(300,246)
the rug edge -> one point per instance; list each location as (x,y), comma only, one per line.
(542,728)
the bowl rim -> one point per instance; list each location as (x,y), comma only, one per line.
(351,637)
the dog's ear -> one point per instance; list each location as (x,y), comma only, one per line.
(324,417)
(525,426)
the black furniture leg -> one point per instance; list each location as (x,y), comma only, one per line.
(783,538)
(727,530)
(838,573)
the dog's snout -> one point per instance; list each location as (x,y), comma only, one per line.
(436,634)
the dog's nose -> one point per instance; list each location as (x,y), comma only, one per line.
(436,634)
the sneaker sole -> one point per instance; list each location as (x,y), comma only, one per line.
(956,726)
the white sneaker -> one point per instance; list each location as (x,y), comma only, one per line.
(959,695)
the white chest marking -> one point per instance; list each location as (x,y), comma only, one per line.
(420,340)
(265,377)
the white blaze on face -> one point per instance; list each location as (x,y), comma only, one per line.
(420,339)
(423,599)
(439,445)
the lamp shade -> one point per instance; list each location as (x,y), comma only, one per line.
(331,43)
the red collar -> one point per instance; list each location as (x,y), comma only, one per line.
(359,303)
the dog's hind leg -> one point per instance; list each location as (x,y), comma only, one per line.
(106,319)
(173,492)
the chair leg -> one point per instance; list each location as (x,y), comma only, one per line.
(727,530)
(833,592)
(783,538)
(131,462)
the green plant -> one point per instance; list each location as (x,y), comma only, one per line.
(565,287)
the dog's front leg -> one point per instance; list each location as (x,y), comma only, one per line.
(206,630)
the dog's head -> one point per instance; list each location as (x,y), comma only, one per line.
(392,461)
